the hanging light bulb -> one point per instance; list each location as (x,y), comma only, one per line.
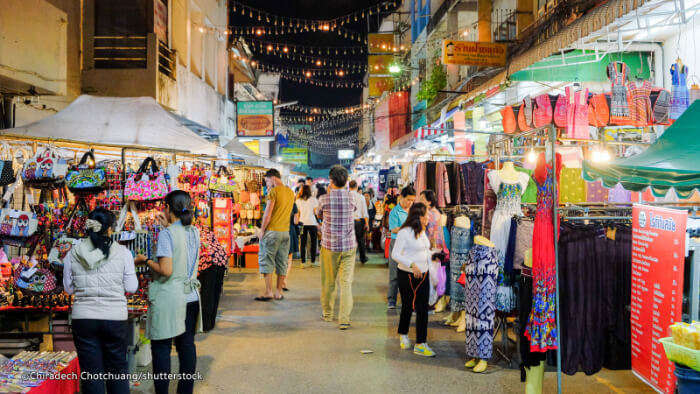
(341,73)
(269,48)
(308,74)
(285,49)
(532,156)
(259,32)
(318,62)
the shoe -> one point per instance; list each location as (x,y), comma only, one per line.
(481,366)
(423,350)
(470,364)
(344,326)
(327,318)
(405,342)
(391,306)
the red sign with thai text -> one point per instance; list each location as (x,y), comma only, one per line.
(658,252)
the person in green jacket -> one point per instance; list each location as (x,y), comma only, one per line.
(173,313)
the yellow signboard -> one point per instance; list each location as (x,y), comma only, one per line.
(253,145)
(380,42)
(379,64)
(469,53)
(378,85)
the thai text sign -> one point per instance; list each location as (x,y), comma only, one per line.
(469,53)
(379,85)
(380,42)
(255,119)
(294,155)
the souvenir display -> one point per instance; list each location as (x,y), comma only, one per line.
(222,181)
(7,172)
(147,183)
(45,170)
(29,369)
(16,223)
(193,180)
(86,177)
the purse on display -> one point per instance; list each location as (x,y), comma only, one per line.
(7,172)
(46,169)
(522,122)
(508,120)
(37,280)
(138,241)
(598,111)
(60,250)
(222,182)
(146,184)
(542,114)
(560,112)
(16,223)
(86,177)
(662,106)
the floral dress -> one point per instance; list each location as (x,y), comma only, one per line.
(541,329)
(436,235)
(480,300)
(680,95)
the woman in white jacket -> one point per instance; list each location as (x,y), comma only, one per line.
(413,256)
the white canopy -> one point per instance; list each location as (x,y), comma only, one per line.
(123,121)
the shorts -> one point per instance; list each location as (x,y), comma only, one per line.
(274,249)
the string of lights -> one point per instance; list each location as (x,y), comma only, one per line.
(259,31)
(277,47)
(313,109)
(307,71)
(317,60)
(323,83)
(309,119)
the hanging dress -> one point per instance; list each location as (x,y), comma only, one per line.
(460,243)
(618,73)
(435,232)
(577,113)
(641,112)
(541,328)
(680,96)
(480,296)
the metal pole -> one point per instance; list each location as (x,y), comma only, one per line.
(555,218)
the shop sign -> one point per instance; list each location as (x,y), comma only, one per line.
(379,85)
(382,138)
(253,145)
(294,155)
(470,53)
(255,118)
(221,213)
(160,20)
(379,64)
(658,252)
(380,42)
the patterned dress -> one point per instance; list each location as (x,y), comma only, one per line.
(541,329)
(460,243)
(618,73)
(480,294)
(641,112)
(435,232)
(680,96)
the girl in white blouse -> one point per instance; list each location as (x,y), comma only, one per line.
(412,254)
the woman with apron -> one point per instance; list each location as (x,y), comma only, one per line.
(174,308)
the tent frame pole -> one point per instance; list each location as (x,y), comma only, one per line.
(555,218)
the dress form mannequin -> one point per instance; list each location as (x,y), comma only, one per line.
(479,365)
(508,172)
(454,319)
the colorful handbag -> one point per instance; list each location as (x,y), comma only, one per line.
(45,170)
(522,122)
(7,172)
(222,182)
(662,107)
(560,110)
(37,280)
(138,241)
(15,223)
(508,120)
(60,249)
(542,114)
(598,111)
(86,177)
(145,185)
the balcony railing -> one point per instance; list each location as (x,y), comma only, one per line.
(167,60)
(504,25)
(120,52)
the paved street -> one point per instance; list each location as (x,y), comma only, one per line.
(284,347)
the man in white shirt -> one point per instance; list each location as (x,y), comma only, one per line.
(361,218)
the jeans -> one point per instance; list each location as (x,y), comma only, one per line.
(186,354)
(361,239)
(310,233)
(340,266)
(410,286)
(393,277)
(101,347)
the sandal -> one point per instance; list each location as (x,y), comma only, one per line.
(263,299)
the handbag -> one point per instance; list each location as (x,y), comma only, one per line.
(508,120)
(222,182)
(462,280)
(7,172)
(522,122)
(16,223)
(86,177)
(662,107)
(33,279)
(46,169)
(542,114)
(60,249)
(560,111)
(138,241)
(598,111)
(145,185)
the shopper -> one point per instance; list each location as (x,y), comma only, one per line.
(412,253)
(337,247)
(361,218)
(174,310)
(397,216)
(308,206)
(274,235)
(99,271)
(293,242)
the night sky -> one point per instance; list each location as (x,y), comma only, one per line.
(308,94)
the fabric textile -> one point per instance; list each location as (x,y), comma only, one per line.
(186,354)
(337,227)
(273,253)
(101,347)
(595,192)
(212,280)
(293,232)
(577,113)
(573,188)
(443,185)
(435,231)
(530,194)
(527,357)
(397,216)
(480,300)
(460,243)
(409,249)
(618,73)
(641,112)
(338,266)
(680,95)
(523,242)
(284,200)
(410,286)
(419,183)
(474,182)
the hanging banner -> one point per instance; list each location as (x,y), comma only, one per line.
(222,208)
(382,137)
(379,64)
(160,20)
(380,42)
(379,85)
(255,118)
(294,155)
(658,252)
(469,53)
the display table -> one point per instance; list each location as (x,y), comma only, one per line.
(62,386)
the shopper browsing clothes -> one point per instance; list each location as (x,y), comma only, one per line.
(396,219)
(99,271)
(361,218)
(412,254)
(274,235)
(337,247)
(173,313)
(308,205)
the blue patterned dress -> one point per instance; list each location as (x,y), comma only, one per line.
(460,243)
(480,300)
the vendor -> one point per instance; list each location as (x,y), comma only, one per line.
(98,271)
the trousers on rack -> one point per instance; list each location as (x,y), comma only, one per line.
(212,280)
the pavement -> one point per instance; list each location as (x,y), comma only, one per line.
(284,347)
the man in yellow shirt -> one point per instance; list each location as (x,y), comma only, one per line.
(274,235)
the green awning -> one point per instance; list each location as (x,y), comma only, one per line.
(672,162)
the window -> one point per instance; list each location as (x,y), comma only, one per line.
(120,33)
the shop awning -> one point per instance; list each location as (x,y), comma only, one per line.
(119,121)
(671,162)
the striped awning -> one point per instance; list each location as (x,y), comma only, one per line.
(425,132)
